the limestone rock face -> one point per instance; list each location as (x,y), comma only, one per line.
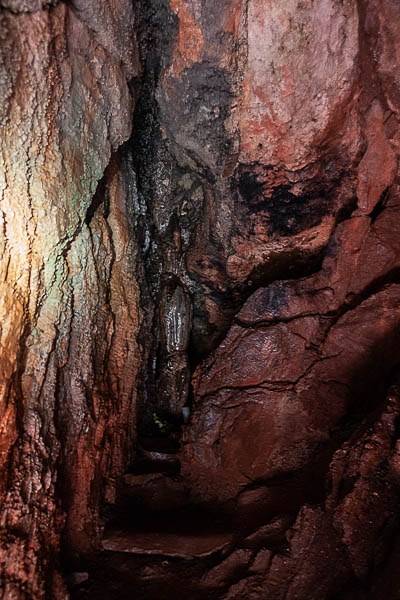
(199,207)
(68,298)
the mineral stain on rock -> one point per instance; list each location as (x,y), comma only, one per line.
(285,213)
(200,300)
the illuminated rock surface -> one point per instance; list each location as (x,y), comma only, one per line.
(199,207)
(69,325)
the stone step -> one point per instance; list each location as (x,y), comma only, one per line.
(159,444)
(186,533)
(150,461)
(169,544)
(156,491)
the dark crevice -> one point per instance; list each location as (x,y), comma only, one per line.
(98,198)
(353,301)
(380,205)
(346,211)
(264,324)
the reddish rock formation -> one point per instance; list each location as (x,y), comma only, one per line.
(313,162)
(69,313)
(246,234)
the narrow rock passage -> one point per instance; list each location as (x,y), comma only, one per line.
(200,206)
(157,546)
(155,515)
(270,268)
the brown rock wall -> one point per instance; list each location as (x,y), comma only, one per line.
(307,358)
(248,232)
(69,313)
(320,328)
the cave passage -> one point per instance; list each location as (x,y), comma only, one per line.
(199,300)
(249,332)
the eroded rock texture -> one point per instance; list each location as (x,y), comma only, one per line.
(69,312)
(239,254)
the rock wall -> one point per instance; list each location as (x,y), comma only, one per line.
(239,254)
(69,291)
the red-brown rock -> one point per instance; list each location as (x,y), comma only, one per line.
(247,231)
(68,335)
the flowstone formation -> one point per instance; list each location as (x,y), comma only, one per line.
(200,271)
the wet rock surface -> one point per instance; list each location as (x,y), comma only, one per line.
(200,210)
(68,335)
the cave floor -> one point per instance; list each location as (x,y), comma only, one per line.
(122,576)
(155,546)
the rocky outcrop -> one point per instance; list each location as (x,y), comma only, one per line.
(199,206)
